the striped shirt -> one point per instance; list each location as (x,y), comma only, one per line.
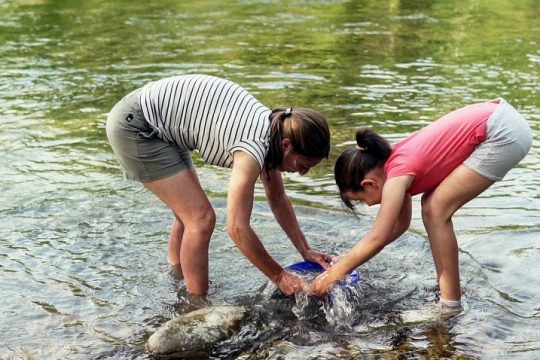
(214,116)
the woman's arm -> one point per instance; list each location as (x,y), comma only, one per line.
(392,220)
(284,213)
(239,206)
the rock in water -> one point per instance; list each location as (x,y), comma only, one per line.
(196,330)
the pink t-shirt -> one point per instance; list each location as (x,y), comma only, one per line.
(433,152)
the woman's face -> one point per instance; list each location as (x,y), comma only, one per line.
(295,162)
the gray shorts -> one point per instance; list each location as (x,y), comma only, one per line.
(508,140)
(141,153)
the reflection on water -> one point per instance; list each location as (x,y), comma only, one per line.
(83,252)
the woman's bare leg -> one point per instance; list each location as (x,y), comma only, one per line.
(183,194)
(461,186)
(175,242)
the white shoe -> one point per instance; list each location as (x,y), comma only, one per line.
(430,314)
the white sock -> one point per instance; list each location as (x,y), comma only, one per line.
(450,303)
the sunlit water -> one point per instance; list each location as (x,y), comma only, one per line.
(83,272)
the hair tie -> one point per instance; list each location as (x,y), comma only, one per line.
(361,148)
(288,111)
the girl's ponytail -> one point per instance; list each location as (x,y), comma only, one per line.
(370,142)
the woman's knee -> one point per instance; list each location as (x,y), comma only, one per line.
(202,223)
(178,225)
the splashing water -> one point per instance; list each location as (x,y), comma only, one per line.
(337,308)
(340,306)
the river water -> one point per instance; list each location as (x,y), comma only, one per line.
(83,271)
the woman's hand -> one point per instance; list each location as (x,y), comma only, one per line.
(290,283)
(318,257)
(335,260)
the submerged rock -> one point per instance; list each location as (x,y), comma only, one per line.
(196,330)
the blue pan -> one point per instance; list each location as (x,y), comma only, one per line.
(306,267)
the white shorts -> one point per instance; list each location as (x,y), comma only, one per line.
(508,140)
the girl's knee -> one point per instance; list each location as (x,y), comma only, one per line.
(433,212)
(426,207)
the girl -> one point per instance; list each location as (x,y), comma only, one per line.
(450,162)
(153,131)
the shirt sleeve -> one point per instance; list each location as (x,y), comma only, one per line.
(256,149)
(397,165)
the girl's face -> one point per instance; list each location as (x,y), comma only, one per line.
(372,186)
(368,196)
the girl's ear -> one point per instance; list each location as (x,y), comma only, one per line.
(369,183)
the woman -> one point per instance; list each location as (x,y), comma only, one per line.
(153,131)
(450,162)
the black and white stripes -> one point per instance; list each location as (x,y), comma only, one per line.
(211,115)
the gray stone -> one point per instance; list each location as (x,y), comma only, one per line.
(196,330)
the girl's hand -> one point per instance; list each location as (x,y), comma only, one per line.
(320,286)
(290,283)
(318,257)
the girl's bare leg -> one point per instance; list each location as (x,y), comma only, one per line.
(461,186)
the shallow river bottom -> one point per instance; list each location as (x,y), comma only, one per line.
(101,288)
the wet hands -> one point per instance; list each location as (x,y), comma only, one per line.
(336,259)
(318,257)
(290,283)
(320,286)
(323,283)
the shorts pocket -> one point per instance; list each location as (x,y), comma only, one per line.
(149,133)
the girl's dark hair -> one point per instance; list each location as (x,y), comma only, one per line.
(307,130)
(353,164)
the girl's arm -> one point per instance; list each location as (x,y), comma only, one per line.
(239,206)
(284,213)
(404,219)
(392,220)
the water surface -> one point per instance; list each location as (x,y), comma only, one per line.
(83,266)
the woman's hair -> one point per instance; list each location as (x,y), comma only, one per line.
(307,130)
(351,167)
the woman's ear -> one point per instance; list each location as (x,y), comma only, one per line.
(285,144)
